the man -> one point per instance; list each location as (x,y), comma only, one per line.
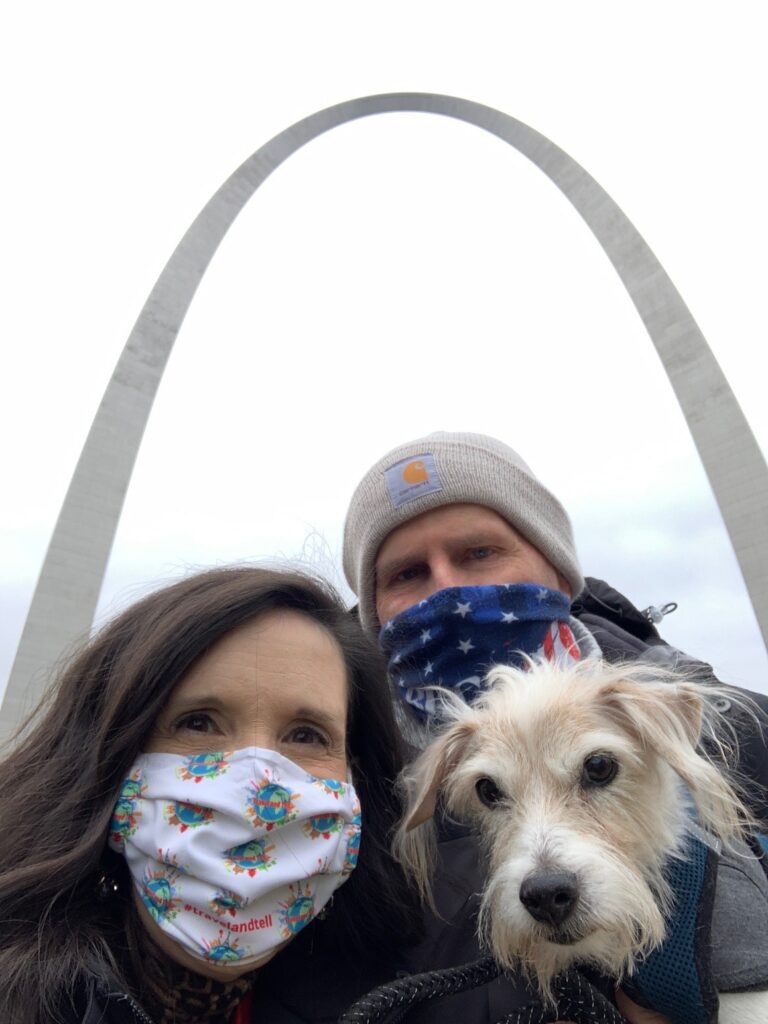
(449,512)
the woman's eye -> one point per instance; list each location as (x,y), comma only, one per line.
(307,734)
(481,553)
(197,721)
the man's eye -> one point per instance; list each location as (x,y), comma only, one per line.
(307,734)
(196,721)
(412,572)
(480,553)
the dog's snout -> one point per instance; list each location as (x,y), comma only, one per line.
(550,897)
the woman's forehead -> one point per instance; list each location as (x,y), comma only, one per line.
(282,653)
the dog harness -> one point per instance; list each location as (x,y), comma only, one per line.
(716,930)
(676,979)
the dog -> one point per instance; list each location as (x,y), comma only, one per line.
(579,780)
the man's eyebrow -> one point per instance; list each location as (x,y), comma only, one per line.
(488,536)
(479,540)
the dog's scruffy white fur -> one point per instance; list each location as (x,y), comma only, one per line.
(576,779)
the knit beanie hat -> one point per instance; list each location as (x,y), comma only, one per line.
(445,469)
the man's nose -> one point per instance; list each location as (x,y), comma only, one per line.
(444,574)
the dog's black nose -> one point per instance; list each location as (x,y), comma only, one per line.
(550,897)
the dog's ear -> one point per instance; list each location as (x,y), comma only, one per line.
(425,778)
(664,716)
(667,717)
(422,781)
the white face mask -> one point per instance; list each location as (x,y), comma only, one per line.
(233,854)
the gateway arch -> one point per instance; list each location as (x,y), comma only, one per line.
(67,592)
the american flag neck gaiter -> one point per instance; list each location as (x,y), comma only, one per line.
(453,638)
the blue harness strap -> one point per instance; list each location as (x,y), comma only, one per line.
(675,979)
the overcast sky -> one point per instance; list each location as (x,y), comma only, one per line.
(399,275)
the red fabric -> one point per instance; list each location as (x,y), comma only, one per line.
(243,1011)
(568,641)
(549,645)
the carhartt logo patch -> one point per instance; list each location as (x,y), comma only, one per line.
(412,478)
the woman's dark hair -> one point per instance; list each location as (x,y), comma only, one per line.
(63,896)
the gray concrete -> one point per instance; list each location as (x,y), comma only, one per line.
(67,592)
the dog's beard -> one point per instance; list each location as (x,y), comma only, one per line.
(619,916)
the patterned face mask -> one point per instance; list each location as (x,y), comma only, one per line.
(233,854)
(453,637)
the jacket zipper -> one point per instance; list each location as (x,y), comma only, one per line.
(136,1010)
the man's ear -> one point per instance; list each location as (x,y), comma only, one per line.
(564,585)
(427,775)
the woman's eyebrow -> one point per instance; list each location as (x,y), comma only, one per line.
(206,701)
(195,702)
(319,715)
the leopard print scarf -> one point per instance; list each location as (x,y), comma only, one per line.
(172,994)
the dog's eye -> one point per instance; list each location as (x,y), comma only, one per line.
(488,792)
(599,770)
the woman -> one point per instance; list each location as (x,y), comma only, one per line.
(112,891)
